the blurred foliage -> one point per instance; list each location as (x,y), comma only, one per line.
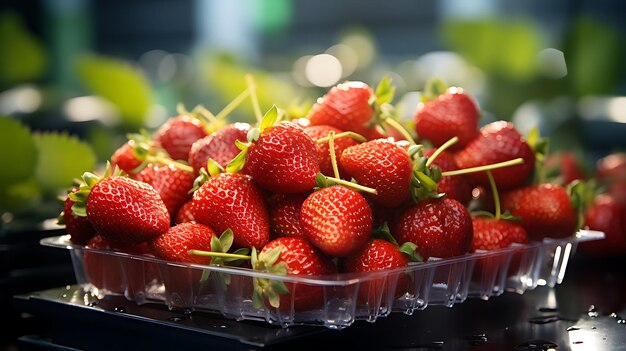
(119,82)
(18,152)
(23,58)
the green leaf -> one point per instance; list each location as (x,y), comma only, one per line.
(237,163)
(61,159)
(269,119)
(243,146)
(434,87)
(226,239)
(252,136)
(21,196)
(384,233)
(272,256)
(18,152)
(410,249)
(426,181)
(272,297)
(279,287)
(320,180)
(213,168)
(23,56)
(385,91)
(119,82)
(216,245)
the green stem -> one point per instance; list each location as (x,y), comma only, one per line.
(496,196)
(353,135)
(166,161)
(441,149)
(333,157)
(397,126)
(204,112)
(218,254)
(233,105)
(353,185)
(513,162)
(254,98)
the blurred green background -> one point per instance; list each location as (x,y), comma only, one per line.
(76,76)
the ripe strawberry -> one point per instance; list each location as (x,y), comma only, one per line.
(231,200)
(283,159)
(284,212)
(125,158)
(612,168)
(493,234)
(498,142)
(174,244)
(336,220)
(439,227)
(546,210)
(564,166)
(451,114)
(606,215)
(121,209)
(185,213)
(300,258)
(382,165)
(218,146)
(456,187)
(177,135)
(346,107)
(78,227)
(171,183)
(323,150)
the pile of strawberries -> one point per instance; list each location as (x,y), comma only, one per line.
(346,189)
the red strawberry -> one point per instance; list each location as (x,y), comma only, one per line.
(121,209)
(323,151)
(337,220)
(493,234)
(301,259)
(564,166)
(185,213)
(125,158)
(546,210)
(606,215)
(456,187)
(439,227)
(382,165)
(174,244)
(612,168)
(178,134)
(284,212)
(451,114)
(346,107)
(219,146)
(231,200)
(78,227)
(171,183)
(498,142)
(283,159)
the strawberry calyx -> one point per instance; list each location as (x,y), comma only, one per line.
(265,288)
(323,181)
(384,112)
(219,251)
(88,180)
(213,168)
(581,195)
(540,147)
(425,177)
(434,87)
(408,248)
(147,152)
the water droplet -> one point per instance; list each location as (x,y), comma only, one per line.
(548,309)
(539,345)
(63,296)
(68,287)
(572,328)
(477,339)
(592,311)
(621,321)
(120,309)
(176,319)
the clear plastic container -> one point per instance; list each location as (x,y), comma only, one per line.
(332,301)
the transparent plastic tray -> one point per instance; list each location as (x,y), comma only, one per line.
(340,299)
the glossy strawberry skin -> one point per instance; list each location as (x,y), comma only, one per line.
(337,220)
(545,209)
(493,234)
(283,160)
(498,142)
(177,135)
(79,228)
(451,114)
(346,107)
(284,212)
(439,227)
(185,213)
(126,210)
(605,214)
(174,244)
(323,150)
(382,165)
(219,146)
(456,187)
(232,200)
(301,259)
(125,159)
(171,183)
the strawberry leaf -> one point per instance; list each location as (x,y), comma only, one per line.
(213,167)
(434,87)
(409,249)
(321,181)
(384,233)
(226,240)
(384,91)
(269,119)
(252,136)
(237,163)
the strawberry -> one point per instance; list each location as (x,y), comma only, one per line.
(78,227)
(606,215)
(177,135)
(337,220)
(612,168)
(174,244)
(346,107)
(565,167)
(185,213)
(376,255)
(171,183)
(457,187)
(493,234)
(439,227)
(383,165)
(125,158)
(284,212)
(283,159)
(232,200)
(450,114)
(323,149)
(498,142)
(218,146)
(295,257)
(546,210)
(120,208)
